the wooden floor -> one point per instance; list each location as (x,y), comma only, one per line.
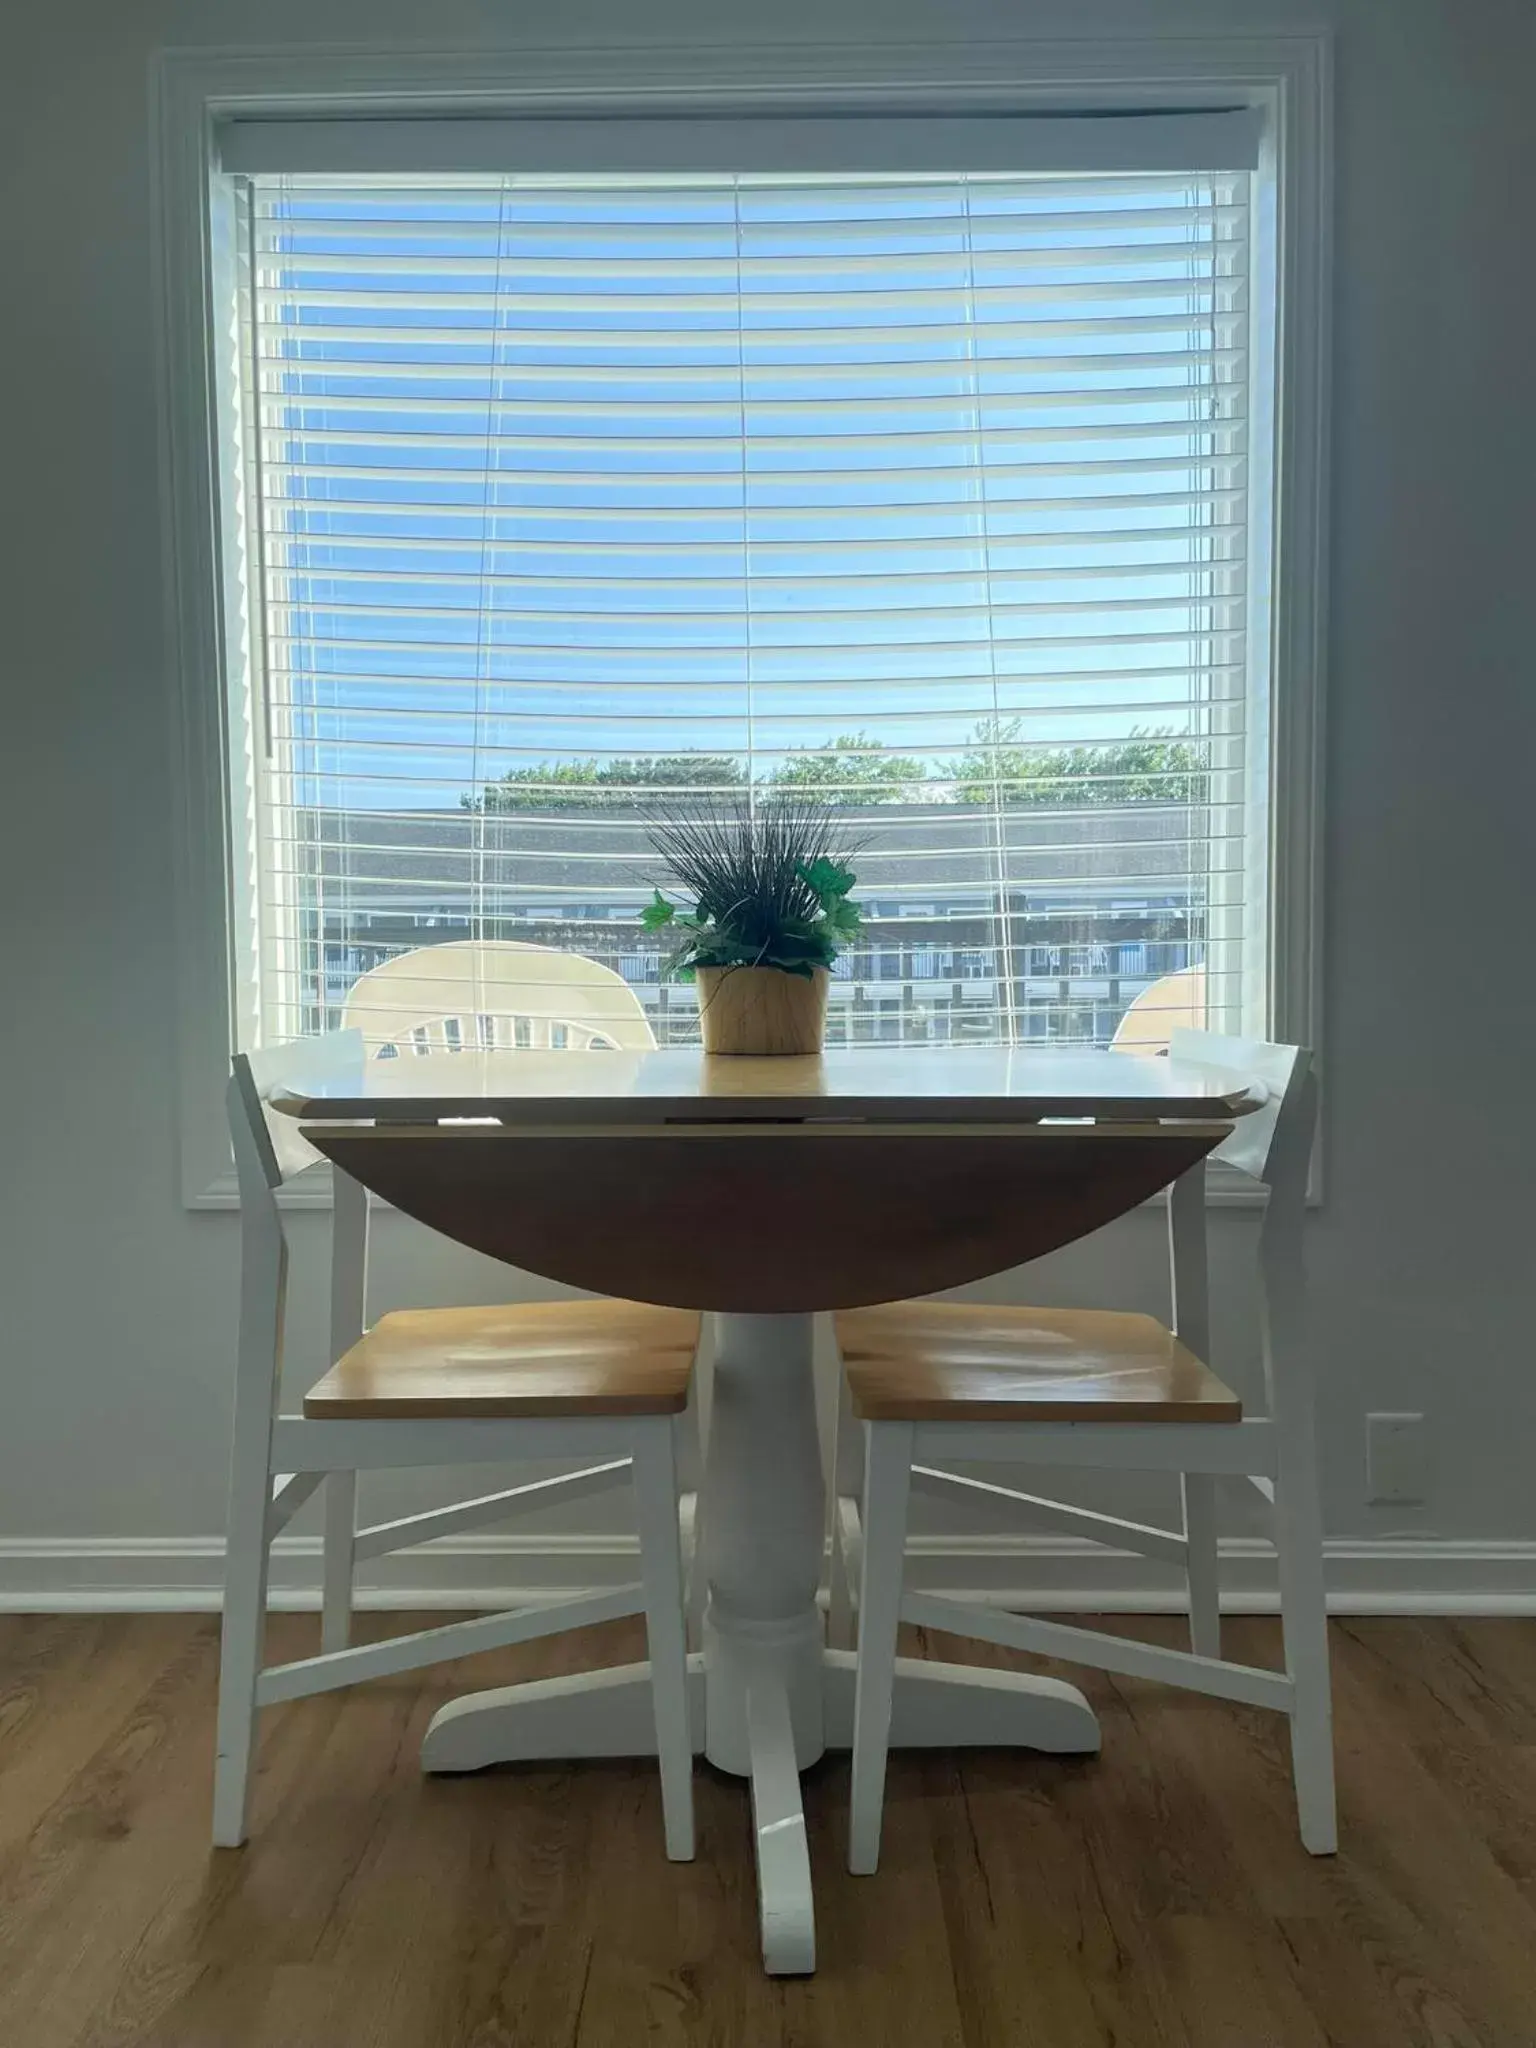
(1156,1895)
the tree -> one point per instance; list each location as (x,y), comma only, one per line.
(1147,768)
(851,770)
(589,784)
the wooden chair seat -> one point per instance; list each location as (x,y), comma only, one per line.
(528,1359)
(945,1361)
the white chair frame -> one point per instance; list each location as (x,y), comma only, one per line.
(487,995)
(1276,1452)
(279,1460)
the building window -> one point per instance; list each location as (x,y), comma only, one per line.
(946,496)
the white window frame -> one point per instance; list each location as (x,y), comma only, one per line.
(1286,77)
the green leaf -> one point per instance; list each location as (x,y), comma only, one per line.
(826,879)
(657,912)
(842,919)
(801,955)
(715,948)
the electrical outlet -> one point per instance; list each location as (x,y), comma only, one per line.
(1396,1459)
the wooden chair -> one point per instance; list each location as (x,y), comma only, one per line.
(935,1383)
(495,995)
(490,995)
(605,1381)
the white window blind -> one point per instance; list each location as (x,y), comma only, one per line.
(565,492)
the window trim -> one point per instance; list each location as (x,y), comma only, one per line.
(1287,77)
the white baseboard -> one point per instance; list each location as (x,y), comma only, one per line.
(1046,1573)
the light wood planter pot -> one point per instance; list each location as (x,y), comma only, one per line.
(762,1010)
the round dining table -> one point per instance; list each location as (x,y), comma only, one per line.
(765,1192)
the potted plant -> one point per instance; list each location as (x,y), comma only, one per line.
(770,912)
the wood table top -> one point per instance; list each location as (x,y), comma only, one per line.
(869,1084)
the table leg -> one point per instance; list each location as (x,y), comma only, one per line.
(965,1706)
(762,1630)
(786,1910)
(585,1713)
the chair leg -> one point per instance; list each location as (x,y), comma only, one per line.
(1200,1564)
(887,1485)
(337,1566)
(839,1593)
(691,1435)
(698,1581)
(1304,1616)
(846,1485)
(661,1568)
(240,1648)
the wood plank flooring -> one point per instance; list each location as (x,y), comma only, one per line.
(1153,1897)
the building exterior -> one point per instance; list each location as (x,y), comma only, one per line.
(981,924)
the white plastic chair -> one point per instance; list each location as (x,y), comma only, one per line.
(600,1380)
(938,1383)
(1176,1002)
(495,995)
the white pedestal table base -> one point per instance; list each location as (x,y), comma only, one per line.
(766,1698)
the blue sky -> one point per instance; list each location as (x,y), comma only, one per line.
(618,470)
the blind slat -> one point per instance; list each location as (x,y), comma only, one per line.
(753,312)
(677,726)
(765,553)
(279,513)
(826,583)
(674,344)
(1219,366)
(585,831)
(820,651)
(451,412)
(1187,257)
(990,474)
(320,216)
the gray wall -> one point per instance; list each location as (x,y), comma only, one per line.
(118,1304)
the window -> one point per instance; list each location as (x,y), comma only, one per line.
(943,494)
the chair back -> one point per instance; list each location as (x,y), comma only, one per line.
(495,995)
(270,1149)
(1271,1142)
